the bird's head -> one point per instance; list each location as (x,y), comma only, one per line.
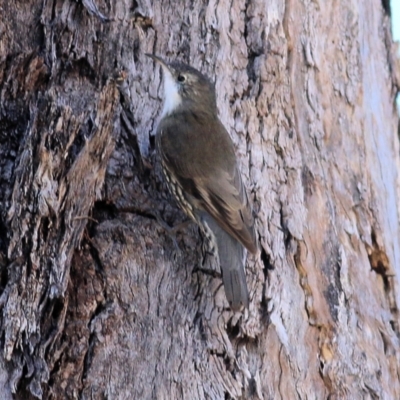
(185,88)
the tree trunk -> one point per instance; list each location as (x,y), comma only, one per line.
(100,299)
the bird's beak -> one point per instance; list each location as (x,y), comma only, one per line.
(172,98)
(168,71)
(159,60)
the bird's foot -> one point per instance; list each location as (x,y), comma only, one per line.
(172,230)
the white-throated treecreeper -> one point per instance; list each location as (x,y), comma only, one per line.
(199,164)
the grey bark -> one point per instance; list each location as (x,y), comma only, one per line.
(99,300)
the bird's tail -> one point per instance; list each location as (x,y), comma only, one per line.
(232,260)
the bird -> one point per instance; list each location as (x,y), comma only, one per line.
(199,164)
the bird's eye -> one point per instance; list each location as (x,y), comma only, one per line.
(181,78)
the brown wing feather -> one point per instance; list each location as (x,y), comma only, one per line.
(205,166)
(225,199)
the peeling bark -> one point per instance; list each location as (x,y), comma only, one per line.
(101,298)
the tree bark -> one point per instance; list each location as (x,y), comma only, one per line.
(100,299)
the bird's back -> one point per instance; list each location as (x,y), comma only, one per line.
(202,160)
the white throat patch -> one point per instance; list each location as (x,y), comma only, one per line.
(172,98)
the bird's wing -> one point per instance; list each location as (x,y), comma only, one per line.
(224,197)
(215,183)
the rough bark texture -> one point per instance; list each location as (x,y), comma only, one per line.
(99,300)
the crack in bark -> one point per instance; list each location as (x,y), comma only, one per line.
(308,295)
(379,262)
